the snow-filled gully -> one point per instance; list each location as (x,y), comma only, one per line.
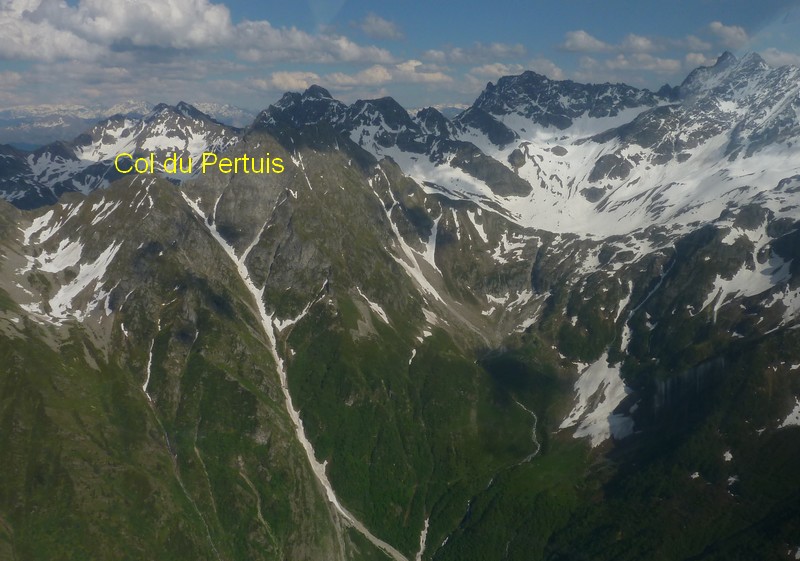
(534,438)
(267,324)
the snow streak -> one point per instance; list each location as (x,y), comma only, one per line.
(268,326)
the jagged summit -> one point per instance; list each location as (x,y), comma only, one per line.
(727,70)
(433,122)
(727,58)
(558,102)
(317,92)
(293,109)
(188,110)
(384,111)
(182,109)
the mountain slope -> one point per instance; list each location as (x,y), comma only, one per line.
(423,339)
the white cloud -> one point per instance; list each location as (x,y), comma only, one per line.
(179,24)
(261,42)
(478,52)
(775,57)
(634,57)
(288,81)
(373,76)
(581,42)
(410,71)
(731,36)
(496,70)
(27,36)
(693,60)
(692,43)
(547,67)
(643,61)
(638,44)
(378,28)
(50,30)
(416,71)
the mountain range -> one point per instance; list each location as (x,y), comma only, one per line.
(561,324)
(30,126)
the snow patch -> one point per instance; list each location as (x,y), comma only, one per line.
(478,227)
(88,274)
(423,536)
(68,254)
(747,282)
(600,389)
(374,307)
(793,418)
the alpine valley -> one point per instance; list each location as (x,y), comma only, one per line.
(561,325)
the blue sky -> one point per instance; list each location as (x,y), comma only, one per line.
(244,53)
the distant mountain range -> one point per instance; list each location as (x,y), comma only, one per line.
(31,126)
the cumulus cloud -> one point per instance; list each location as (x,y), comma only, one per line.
(775,57)
(262,42)
(179,24)
(639,44)
(691,43)
(289,81)
(49,30)
(496,70)
(373,76)
(731,36)
(644,61)
(410,71)
(636,56)
(693,60)
(378,28)
(478,52)
(581,42)
(26,35)
(547,67)
(626,67)
(417,72)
